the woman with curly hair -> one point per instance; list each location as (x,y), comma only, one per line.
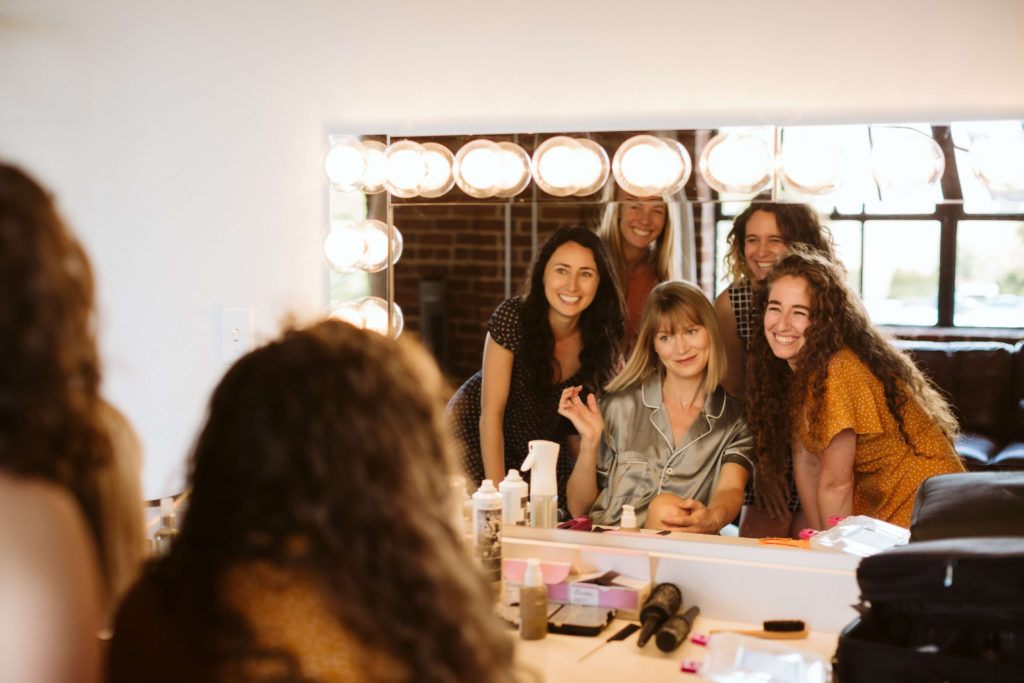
(563,331)
(60,474)
(642,234)
(666,438)
(760,235)
(865,426)
(319,542)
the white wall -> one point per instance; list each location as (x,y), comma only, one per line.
(183,139)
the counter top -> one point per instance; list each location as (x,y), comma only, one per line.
(557,657)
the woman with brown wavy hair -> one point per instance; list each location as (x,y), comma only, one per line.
(59,474)
(865,426)
(319,542)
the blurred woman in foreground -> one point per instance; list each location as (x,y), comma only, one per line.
(319,542)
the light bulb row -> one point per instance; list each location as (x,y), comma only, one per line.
(562,166)
(806,163)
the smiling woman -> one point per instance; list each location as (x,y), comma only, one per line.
(866,427)
(564,330)
(666,439)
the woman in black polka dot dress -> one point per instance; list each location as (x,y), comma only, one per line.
(565,330)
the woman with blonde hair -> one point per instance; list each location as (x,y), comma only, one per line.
(645,245)
(319,542)
(865,426)
(666,438)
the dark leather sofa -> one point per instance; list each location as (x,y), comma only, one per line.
(984,382)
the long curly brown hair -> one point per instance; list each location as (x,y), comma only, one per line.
(601,324)
(51,425)
(776,395)
(325,454)
(798,224)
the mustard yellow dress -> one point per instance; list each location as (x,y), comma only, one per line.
(887,469)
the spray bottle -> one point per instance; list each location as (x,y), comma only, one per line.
(514,499)
(167,533)
(533,603)
(487,532)
(543,458)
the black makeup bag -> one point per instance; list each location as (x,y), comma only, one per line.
(948,611)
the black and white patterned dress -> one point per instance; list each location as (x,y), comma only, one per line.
(528,415)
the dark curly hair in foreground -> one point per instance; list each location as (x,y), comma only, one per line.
(324,454)
(776,395)
(51,423)
(601,324)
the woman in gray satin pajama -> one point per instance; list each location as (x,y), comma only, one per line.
(666,438)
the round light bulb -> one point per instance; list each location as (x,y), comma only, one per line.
(905,160)
(375,234)
(375,155)
(737,163)
(406,168)
(370,313)
(593,167)
(514,173)
(344,246)
(646,166)
(810,166)
(555,166)
(438,179)
(478,168)
(998,162)
(344,164)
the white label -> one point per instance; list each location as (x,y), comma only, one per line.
(581,594)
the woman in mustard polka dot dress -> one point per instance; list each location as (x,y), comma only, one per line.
(865,426)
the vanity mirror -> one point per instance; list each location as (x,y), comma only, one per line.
(894,195)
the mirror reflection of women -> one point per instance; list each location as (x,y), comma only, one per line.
(319,541)
(642,238)
(563,331)
(666,438)
(865,426)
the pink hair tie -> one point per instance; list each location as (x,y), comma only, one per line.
(807,533)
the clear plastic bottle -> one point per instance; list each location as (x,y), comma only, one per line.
(514,499)
(487,532)
(533,603)
(167,533)
(628,522)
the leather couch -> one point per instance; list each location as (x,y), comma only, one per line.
(984,382)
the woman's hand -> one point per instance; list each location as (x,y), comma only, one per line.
(585,417)
(681,514)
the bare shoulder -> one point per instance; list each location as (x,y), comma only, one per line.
(723,309)
(49,585)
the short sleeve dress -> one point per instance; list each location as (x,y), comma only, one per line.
(887,468)
(528,415)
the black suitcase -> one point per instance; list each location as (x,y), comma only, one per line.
(947,610)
